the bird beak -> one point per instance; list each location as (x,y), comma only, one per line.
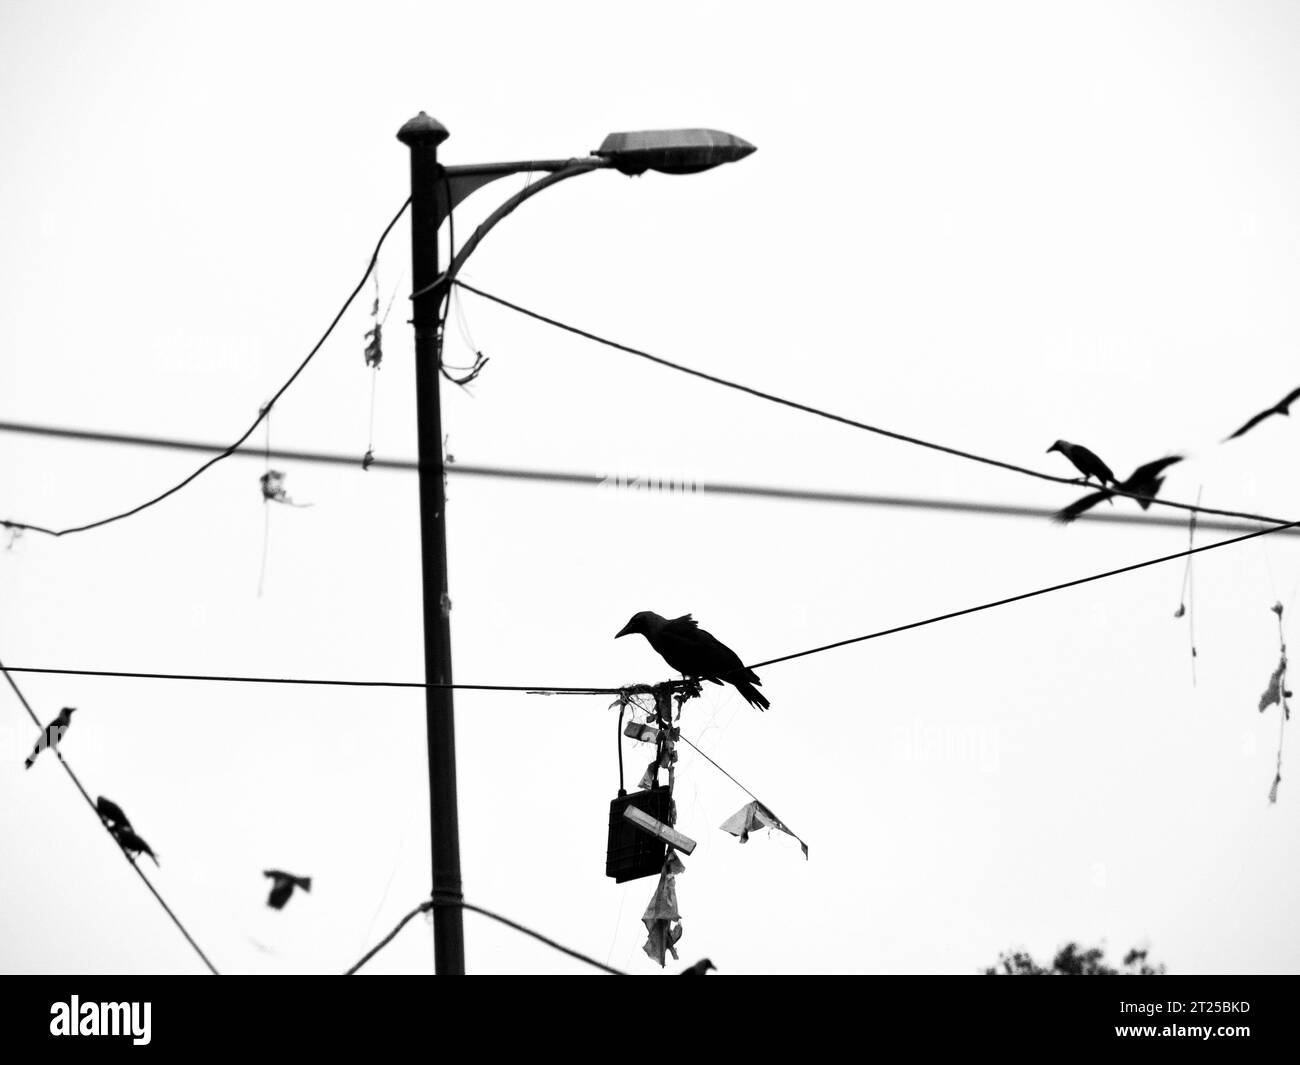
(624,631)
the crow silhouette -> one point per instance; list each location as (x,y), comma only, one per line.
(1284,407)
(1144,482)
(111,813)
(1085,461)
(700,968)
(695,653)
(131,843)
(52,734)
(283,887)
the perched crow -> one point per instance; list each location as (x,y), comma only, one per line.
(694,653)
(283,887)
(111,813)
(1283,407)
(700,968)
(1085,461)
(52,734)
(131,843)
(1143,482)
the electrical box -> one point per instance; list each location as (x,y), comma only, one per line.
(634,853)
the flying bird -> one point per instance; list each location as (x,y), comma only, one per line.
(700,968)
(111,813)
(695,653)
(1284,407)
(1085,461)
(283,887)
(52,734)
(1144,482)
(131,843)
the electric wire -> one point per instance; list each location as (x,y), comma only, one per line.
(93,809)
(820,413)
(249,431)
(427,905)
(662,486)
(542,689)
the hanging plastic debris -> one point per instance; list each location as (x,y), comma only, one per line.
(375,342)
(662,920)
(754,816)
(1276,692)
(273,486)
(273,490)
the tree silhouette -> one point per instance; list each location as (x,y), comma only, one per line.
(1073,960)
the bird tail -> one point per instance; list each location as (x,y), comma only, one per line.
(28,763)
(304,882)
(752,695)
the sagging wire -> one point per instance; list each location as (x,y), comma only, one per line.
(234,447)
(468,373)
(1187,597)
(436,900)
(104,823)
(266,510)
(841,419)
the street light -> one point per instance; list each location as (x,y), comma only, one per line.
(672,151)
(435,192)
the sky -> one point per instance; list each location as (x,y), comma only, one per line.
(991,226)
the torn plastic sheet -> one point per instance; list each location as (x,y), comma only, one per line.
(754,816)
(1274,693)
(375,347)
(661,919)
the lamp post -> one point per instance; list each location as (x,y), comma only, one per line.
(435,192)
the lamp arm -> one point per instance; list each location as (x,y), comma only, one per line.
(576,167)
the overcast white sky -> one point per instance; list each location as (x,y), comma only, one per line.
(990,224)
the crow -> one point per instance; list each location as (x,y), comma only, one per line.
(52,734)
(700,968)
(1143,482)
(1284,407)
(1085,461)
(111,813)
(131,843)
(283,887)
(695,653)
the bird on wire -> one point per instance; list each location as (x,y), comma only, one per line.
(52,734)
(700,968)
(111,813)
(695,653)
(1085,461)
(1143,482)
(131,843)
(1283,407)
(283,887)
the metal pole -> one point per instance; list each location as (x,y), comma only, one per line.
(422,135)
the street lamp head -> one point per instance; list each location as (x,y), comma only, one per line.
(423,130)
(672,151)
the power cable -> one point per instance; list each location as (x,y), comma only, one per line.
(249,431)
(91,803)
(818,412)
(579,690)
(659,485)
(424,907)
